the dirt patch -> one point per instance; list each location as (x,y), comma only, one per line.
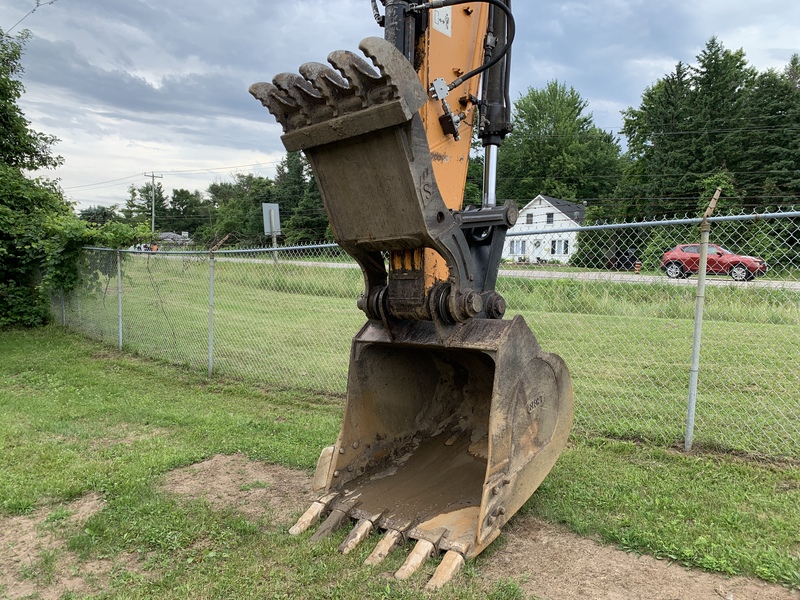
(553,564)
(549,562)
(252,488)
(34,561)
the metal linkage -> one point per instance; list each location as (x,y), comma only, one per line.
(360,129)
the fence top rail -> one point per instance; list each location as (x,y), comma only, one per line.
(603,227)
(661,223)
(207,252)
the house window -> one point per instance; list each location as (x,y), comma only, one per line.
(517,246)
(559,247)
(549,218)
(529,219)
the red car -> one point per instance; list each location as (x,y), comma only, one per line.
(684,259)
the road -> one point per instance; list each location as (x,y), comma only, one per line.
(556,273)
(613,276)
(629,277)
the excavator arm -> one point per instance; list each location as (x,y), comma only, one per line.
(454,415)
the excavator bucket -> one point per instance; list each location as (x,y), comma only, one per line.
(454,416)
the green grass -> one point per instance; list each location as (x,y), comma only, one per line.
(727,303)
(628,346)
(76,417)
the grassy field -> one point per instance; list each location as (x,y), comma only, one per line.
(76,418)
(628,346)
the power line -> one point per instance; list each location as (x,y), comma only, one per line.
(30,12)
(212,169)
(111,182)
(101,183)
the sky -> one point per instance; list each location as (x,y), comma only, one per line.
(160,86)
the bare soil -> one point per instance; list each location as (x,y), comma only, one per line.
(549,562)
(34,562)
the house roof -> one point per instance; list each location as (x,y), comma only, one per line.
(573,210)
(175,238)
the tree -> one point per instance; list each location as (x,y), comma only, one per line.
(99,214)
(556,150)
(237,205)
(237,209)
(309,223)
(291,180)
(660,147)
(20,146)
(721,85)
(718,117)
(139,205)
(792,70)
(41,238)
(768,160)
(187,211)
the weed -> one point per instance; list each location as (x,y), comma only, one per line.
(43,569)
(254,485)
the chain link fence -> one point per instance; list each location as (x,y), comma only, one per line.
(608,299)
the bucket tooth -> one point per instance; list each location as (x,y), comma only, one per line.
(356,536)
(389,542)
(281,106)
(421,552)
(368,84)
(339,95)
(309,517)
(450,565)
(312,514)
(396,70)
(309,100)
(329,525)
(321,76)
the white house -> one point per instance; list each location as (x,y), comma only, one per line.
(536,218)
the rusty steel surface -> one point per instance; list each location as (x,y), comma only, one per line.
(444,438)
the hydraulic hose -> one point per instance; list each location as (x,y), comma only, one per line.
(510,31)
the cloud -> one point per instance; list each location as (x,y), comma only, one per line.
(140,85)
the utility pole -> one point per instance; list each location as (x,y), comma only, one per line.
(152,177)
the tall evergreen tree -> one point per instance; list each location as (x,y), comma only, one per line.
(721,82)
(139,206)
(187,211)
(792,70)
(769,153)
(309,223)
(660,146)
(291,180)
(717,118)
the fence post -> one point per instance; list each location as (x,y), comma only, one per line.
(63,309)
(119,297)
(274,236)
(705,228)
(210,313)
